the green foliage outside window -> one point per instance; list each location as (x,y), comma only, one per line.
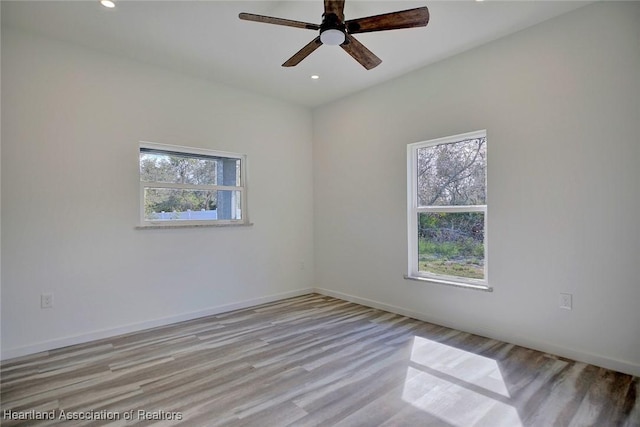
(452,175)
(452,243)
(177,170)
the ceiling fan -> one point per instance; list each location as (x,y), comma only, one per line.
(334,30)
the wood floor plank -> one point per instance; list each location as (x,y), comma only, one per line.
(309,361)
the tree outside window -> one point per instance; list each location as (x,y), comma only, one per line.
(447,208)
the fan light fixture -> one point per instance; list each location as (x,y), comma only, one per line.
(332,37)
(335,30)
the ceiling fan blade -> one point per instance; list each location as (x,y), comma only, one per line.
(303,53)
(418,17)
(360,53)
(278,21)
(336,7)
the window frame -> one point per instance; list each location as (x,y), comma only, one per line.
(413,210)
(183,150)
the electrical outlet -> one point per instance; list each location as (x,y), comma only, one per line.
(46,301)
(566,301)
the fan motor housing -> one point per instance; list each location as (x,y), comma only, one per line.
(330,21)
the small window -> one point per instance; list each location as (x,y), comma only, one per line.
(190,186)
(447,209)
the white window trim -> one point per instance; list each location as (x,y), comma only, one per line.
(144,223)
(413,209)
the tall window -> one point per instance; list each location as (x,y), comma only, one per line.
(447,209)
(186,186)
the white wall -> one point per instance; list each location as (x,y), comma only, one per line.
(561,105)
(71,122)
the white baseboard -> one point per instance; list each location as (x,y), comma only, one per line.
(135,327)
(580,356)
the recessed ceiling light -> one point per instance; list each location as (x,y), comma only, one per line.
(108,3)
(315,77)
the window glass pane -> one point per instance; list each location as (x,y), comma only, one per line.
(452,174)
(176,168)
(451,244)
(178,204)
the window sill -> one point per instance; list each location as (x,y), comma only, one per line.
(158,227)
(483,288)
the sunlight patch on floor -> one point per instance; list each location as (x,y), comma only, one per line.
(457,386)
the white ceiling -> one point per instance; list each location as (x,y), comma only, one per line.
(206,39)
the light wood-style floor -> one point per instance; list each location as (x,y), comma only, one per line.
(313,361)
